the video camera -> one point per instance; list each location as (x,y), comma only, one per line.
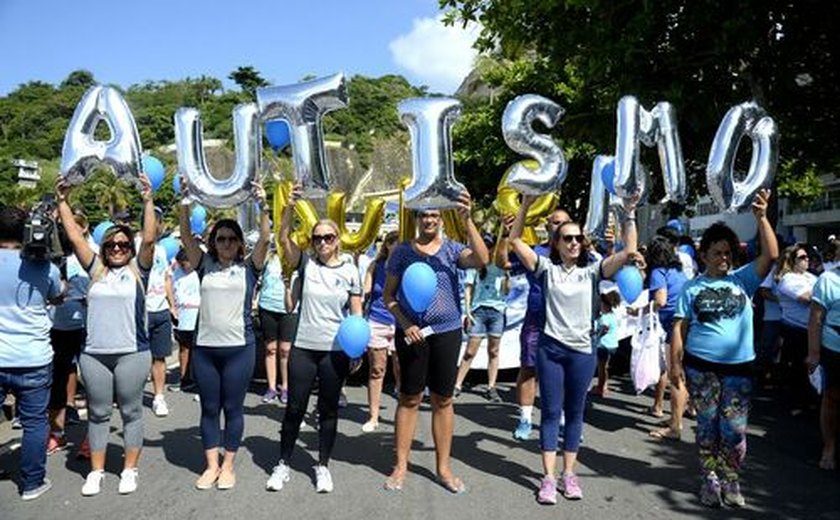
(40,233)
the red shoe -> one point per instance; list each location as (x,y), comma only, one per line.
(55,443)
(84,450)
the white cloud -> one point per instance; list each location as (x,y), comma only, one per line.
(437,55)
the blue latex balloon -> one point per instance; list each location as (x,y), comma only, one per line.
(176,184)
(171,245)
(419,284)
(197,226)
(198,212)
(277,133)
(630,284)
(687,249)
(353,336)
(154,170)
(608,176)
(99,231)
(675,225)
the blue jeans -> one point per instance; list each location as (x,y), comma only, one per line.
(564,375)
(31,388)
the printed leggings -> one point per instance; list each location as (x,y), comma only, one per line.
(722,403)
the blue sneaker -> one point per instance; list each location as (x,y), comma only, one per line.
(523,430)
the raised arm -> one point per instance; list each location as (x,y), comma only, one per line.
(476,255)
(766,236)
(189,243)
(630,236)
(526,255)
(501,256)
(261,247)
(146,254)
(291,252)
(81,247)
(367,283)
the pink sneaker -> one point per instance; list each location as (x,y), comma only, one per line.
(570,488)
(548,491)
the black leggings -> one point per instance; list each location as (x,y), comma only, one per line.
(331,368)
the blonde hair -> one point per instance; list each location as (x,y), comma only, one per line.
(331,223)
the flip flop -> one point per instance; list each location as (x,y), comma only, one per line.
(655,413)
(666,433)
(393,484)
(454,485)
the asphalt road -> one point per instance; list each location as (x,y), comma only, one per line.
(624,473)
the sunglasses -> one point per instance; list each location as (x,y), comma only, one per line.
(325,239)
(111,246)
(225,238)
(568,238)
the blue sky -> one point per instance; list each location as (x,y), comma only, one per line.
(126,42)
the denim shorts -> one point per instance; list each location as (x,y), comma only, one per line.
(487,322)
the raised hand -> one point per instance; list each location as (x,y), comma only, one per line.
(62,189)
(146,187)
(760,203)
(464,205)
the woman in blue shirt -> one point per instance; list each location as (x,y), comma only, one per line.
(713,340)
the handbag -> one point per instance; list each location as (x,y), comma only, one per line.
(647,360)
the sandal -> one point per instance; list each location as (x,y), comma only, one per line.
(666,433)
(655,413)
(207,479)
(393,483)
(454,485)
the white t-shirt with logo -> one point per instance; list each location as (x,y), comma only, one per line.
(187,291)
(569,302)
(791,286)
(156,293)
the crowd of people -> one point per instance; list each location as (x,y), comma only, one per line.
(111,311)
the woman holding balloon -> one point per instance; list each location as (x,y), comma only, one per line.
(327,288)
(422,292)
(224,353)
(565,358)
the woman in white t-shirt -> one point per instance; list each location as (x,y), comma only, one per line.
(794,286)
(327,289)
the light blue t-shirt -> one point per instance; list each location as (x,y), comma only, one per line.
(609,339)
(25,288)
(487,292)
(272,288)
(826,294)
(72,313)
(720,316)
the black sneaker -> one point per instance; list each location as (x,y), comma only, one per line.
(492,395)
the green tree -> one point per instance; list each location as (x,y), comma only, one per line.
(249,79)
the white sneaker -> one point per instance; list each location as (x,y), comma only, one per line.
(370,426)
(279,476)
(93,483)
(128,481)
(159,406)
(323,480)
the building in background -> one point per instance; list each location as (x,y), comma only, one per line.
(29,173)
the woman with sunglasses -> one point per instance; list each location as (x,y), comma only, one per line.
(428,343)
(116,357)
(793,287)
(326,290)
(225,346)
(565,358)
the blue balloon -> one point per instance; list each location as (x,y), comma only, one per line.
(171,245)
(353,336)
(198,212)
(687,249)
(419,285)
(675,225)
(277,133)
(176,184)
(608,176)
(99,231)
(197,226)
(630,283)
(154,170)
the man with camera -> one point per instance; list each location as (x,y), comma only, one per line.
(28,281)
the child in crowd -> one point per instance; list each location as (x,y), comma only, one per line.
(606,328)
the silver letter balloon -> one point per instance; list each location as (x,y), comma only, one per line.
(429,121)
(657,127)
(519,134)
(601,201)
(81,153)
(202,185)
(747,119)
(302,106)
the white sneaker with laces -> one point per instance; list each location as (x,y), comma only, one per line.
(93,483)
(159,406)
(323,480)
(279,476)
(128,481)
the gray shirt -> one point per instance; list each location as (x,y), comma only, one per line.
(324,302)
(569,302)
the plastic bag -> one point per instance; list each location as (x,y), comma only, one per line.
(647,357)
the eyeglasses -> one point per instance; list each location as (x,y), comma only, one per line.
(226,238)
(568,238)
(325,239)
(123,245)
(801,257)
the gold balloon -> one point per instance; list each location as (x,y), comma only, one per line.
(507,203)
(366,235)
(408,227)
(453,225)
(304,210)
